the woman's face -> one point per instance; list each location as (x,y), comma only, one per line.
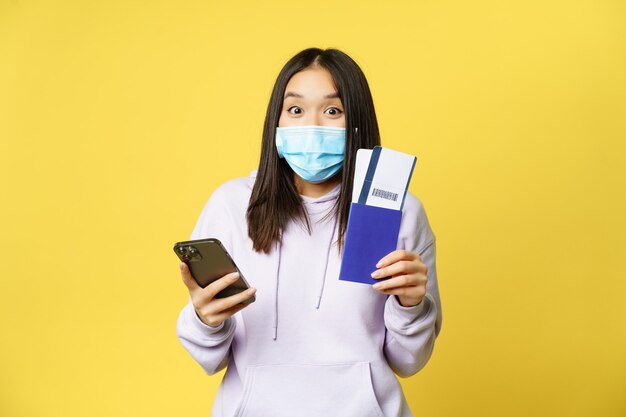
(312,100)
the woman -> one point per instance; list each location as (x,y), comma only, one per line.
(311,345)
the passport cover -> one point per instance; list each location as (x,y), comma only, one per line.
(371,234)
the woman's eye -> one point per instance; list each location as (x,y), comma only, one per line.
(333,111)
(294,110)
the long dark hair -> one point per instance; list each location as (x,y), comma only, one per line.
(275,199)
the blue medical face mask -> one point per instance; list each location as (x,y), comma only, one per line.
(315,153)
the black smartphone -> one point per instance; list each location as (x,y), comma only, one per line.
(208,261)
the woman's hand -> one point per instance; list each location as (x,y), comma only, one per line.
(408,274)
(214,311)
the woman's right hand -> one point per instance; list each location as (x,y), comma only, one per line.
(214,311)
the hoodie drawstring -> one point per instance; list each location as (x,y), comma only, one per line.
(330,245)
(280,250)
(320,291)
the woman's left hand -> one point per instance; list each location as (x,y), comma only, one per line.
(408,277)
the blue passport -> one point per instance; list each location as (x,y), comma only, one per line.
(371,234)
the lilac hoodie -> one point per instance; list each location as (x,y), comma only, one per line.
(311,345)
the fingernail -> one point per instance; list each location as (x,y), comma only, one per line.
(234,277)
(379,264)
(251,291)
(375,274)
(181,266)
(376,286)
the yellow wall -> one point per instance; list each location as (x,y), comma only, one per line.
(118,119)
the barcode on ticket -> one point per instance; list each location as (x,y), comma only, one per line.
(387,195)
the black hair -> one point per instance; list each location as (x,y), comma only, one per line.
(275,199)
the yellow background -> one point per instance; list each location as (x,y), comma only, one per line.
(119,118)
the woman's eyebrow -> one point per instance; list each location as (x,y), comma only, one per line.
(292,94)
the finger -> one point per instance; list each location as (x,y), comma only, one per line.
(188,280)
(230,312)
(409,292)
(217,306)
(399,281)
(223,304)
(395,256)
(403,291)
(398,268)
(218,285)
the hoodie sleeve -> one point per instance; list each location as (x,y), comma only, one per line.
(411,331)
(209,346)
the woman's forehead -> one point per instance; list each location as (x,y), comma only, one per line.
(312,82)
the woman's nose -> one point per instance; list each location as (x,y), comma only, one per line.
(313,119)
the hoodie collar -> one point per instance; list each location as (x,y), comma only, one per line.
(329,196)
